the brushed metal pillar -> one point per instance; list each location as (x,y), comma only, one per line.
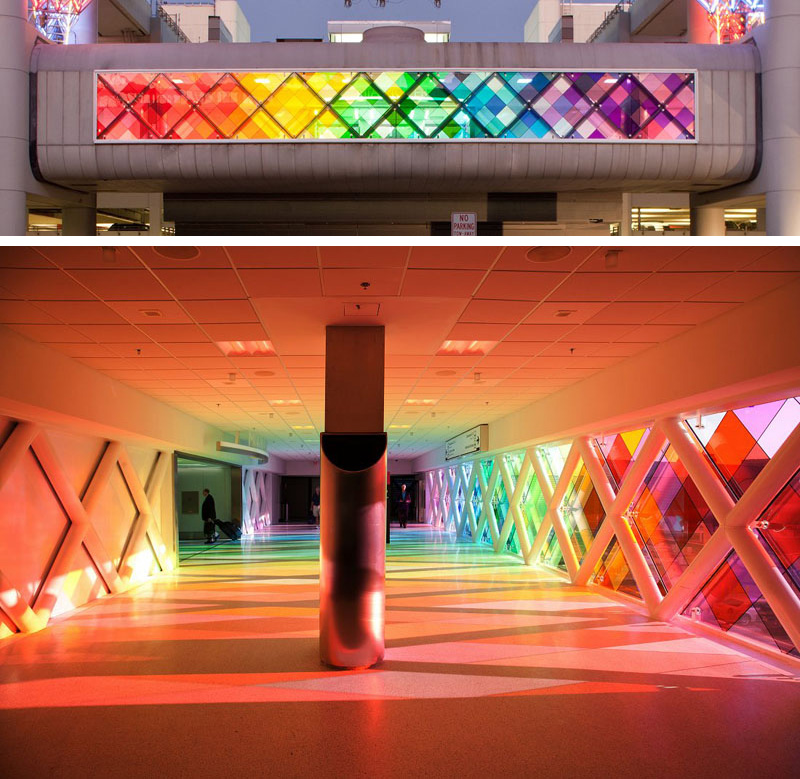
(353,499)
(352,548)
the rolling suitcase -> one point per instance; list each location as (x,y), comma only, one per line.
(231,530)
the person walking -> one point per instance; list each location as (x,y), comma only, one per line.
(403,505)
(209,514)
(315,503)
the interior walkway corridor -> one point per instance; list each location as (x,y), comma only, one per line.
(491,668)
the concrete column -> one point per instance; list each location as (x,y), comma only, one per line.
(85,29)
(698,27)
(627,208)
(155,206)
(707,220)
(79,220)
(14,87)
(780,60)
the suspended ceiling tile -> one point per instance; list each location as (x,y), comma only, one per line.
(24,257)
(91,257)
(472,331)
(745,286)
(340,282)
(628,313)
(517,285)
(622,349)
(164,312)
(281,282)
(36,284)
(363,256)
(273,256)
(122,284)
(600,333)
(454,257)
(540,332)
(183,349)
(716,259)
(50,334)
(252,331)
(83,312)
(177,333)
(495,311)
(597,286)
(631,259)
(516,258)
(207,257)
(83,350)
(563,313)
(521,348)
(783,258)
(691,313)
(23,313)
(441,283)
(113,333)
(206,284)
(653,333)
(671,286)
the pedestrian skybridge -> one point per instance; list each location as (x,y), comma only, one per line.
(311,117)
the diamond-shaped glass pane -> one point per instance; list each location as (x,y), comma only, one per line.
(294,106)
(614,572)
(582,511)
(428,105)
(495,105)
(361,106)
(778,529)
(620,451)
(227,106)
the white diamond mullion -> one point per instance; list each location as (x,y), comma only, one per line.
(509,523)
(487,502)
(471,518)
(463,514)
(554,506)
(515,506)
(452,511)
(628,490)
(483,516)
(645,581)
(544,529)
(442,478)
(430,510)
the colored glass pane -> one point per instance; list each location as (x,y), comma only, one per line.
(553,458)
(486,469)
(512,544)
(394,84)
(520,105)
(500,503)
(195,86)
(533,504)
(260,126)
(732,601)
(261,85)
(742,441)
(778,528)
(614,572)
(428,105)
(327,85)
(619,452)
(161,106)
(581,510)
(294,105)
(477,503)
(361,105)
(495,105)
(129,127)
(551,552)
(227,106)
(670,519)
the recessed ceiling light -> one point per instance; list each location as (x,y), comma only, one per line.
(293,402)
(547,253)
(265,373)
(245,348)
(302,427)
(465,348)
(420,402)
(177,252)
(445,373)
(399,427)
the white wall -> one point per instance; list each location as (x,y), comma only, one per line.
(193,20)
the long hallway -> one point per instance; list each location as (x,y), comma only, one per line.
(491,667)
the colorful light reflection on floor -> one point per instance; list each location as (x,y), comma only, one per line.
(237,625)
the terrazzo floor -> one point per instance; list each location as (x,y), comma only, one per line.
(491,668)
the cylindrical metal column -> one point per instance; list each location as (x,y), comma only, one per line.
(14,87)
(780,62)
(352,548)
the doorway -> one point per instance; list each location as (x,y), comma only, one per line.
(395,490)
(192,476)
(296,492)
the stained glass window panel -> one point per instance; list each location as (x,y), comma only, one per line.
(732,601)
(614,572)
(778,528)
(582,511)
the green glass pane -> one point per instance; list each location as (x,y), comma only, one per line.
(534,504)
(327,126)
(361,105)
(512,545)
(395,125)
(394,84)
(428,105)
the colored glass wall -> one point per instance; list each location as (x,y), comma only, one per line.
(394,105)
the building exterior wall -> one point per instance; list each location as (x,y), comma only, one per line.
(546,14)
(193,19)
(724,153)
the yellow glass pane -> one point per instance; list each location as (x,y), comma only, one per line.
(387,83)
(260,127)
(328,85)
(261,85)
(327,126)
(294,105)
(632,438)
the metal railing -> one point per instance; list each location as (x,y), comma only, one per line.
(623,6)
(172,23)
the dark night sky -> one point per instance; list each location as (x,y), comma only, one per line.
(473,20)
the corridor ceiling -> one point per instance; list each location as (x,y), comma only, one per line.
(191,331)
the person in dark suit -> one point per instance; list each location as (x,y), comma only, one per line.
(403,506)
(209,514)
